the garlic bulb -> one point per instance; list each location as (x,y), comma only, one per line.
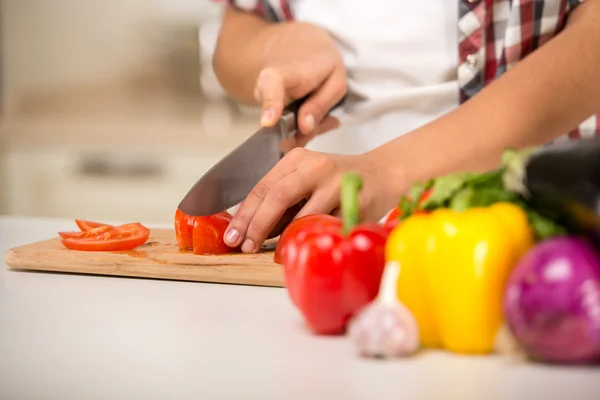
(385,327)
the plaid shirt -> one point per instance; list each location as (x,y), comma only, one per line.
(494,35)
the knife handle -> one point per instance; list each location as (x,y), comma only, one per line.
(296,104)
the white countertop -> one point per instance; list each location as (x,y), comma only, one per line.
(90,337)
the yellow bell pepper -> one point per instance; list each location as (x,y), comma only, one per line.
(454,266)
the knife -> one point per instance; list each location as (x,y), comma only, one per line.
(230,181)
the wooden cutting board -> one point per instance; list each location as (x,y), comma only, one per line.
(159,258)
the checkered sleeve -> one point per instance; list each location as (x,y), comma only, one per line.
(272,10)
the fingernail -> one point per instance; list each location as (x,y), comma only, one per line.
(310,122)
(232,236)
(267,116)
(248,246)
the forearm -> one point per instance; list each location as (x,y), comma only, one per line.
(549,93)
(238,55)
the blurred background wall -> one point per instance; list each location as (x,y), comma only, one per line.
(110,109)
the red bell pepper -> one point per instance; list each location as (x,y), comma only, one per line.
(333,266)
(301,227)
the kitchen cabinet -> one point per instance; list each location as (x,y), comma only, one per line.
(112,185)
(121,119)
(107,164)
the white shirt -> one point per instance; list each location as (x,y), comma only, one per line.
(401,59)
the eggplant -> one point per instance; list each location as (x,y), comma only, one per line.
(560,180)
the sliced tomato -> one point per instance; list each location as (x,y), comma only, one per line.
(393,216)
(208,234)
(87,225)
(106,238)
(184,225)
(396,213)
(202,235)
(425,195)
(87,233)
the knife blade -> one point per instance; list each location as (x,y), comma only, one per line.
(230,181)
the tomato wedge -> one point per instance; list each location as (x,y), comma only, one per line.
(392,219)
(202,235)
(393,216)
(86,233)
(87,225)
(208,234)
(184,225)
(101,237)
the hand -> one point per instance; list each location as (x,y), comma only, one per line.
(298,59)
(304,174)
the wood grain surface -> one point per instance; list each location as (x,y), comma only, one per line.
(159,258)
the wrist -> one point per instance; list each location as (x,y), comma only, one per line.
(392,172)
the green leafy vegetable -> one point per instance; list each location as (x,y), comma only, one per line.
(462,191)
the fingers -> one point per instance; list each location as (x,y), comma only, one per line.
(323,201)
(329,123)
(316,107)
(273,85)
(270,91)
(336,212)
(243,219)
(301,174)
(233,210)
(277,85)
(287,192)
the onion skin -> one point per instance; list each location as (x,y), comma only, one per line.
(552,302)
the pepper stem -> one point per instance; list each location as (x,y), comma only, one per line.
(351,185)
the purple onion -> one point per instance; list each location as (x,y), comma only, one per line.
(552,302)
